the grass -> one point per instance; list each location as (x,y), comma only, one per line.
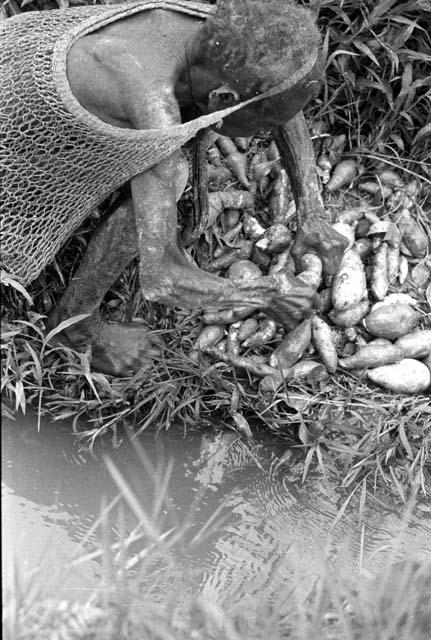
(393,607)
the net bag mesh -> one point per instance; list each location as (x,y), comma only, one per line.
(58,161)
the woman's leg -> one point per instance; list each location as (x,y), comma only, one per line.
(117,348)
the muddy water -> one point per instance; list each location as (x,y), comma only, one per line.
(252,524)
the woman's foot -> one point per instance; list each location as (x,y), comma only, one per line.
(117,348)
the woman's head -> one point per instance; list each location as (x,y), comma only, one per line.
(256,44)
(250,46)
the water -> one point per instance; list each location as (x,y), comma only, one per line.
(252,525)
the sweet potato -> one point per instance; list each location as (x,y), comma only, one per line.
(414,237)
(416,344)
(323,340)
(252,227)
(227,316)
(350,216)
(380,228)
(214,156)
(248,328)
(264,334)
(305,369)
(343,175)
(346,231)
(244,270)
(235,160)
(281,206)
(209,336)
(292,346)
(390,178)
(375,188)
(231,255)
(373,355)
(217,177)
(350,317)
(312,270)
(336,148)
(413,188)
(233,339)
(259,170)
(349,285)
(379,279)
(407,376)
(393,238)
(233,199)
(323,162)
(230,218)
(395,298)
(403,269)
(275,240)
(391,321)
(380,341)
(253,367)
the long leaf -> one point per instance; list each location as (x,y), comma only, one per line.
(66,323)
(423,133)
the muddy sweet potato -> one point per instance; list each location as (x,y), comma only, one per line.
(344,174)
(210,335)
(391,321)
(264,334)
(413,236)
(379,279)
(312,270)
(373,355)
(416,344)
(323,340)
(407,376)
(292,346)
(244,270)
(276,239)
(248,328)
(235,160)
(349,286)
(350,317)
(345,230)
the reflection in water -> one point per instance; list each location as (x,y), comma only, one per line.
(274,527)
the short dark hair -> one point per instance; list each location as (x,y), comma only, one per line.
(256,44)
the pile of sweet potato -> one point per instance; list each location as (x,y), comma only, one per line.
(375,317)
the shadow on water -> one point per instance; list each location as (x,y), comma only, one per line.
(270,528)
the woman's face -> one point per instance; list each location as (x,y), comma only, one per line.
(266,114)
